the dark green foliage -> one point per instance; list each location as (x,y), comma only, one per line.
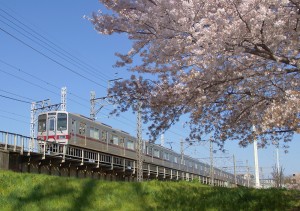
(41,192)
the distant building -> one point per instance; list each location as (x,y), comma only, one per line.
(294,182)
(267,183)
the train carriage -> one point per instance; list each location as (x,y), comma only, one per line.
(79,131)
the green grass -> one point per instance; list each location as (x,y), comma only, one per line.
(41,192)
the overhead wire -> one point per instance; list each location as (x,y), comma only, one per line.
(15,99)
(50,58)
(32,100)
(39,79)
(8,112)
(51,44)
(6,117)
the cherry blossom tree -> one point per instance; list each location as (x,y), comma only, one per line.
(227,64)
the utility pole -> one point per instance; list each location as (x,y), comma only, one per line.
(162,140)
(211,163)
(248,175)
(257,183)
(234,170)
(63,92)
(277,159)
(181,150)
(102,101)
(139,143)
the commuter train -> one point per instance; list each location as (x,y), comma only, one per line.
(82,132)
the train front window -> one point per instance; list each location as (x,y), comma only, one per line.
(61,121)
(42,123)
(51,124)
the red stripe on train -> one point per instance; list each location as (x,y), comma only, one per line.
(57,137)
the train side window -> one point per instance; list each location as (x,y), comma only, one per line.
(165,155)
(150,151)
(42,123)
(147,150)
(130,144)
(104,136)
(156,153)
(115,139)
(122,141)
(175,160)
(94,133)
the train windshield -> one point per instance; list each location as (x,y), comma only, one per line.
(42,123)
(61,121)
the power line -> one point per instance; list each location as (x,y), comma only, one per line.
(39,79)
(14,114)
(17,95)
(50,58)
(58,49)
(6,117)
(11,98)
(29,82)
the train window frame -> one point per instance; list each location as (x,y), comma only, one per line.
(130,144)
(42,123)
(62,121)
(156,153)
(51,124)
(175,159)
(94,133)
(104,135)
(122,141)
(114,139)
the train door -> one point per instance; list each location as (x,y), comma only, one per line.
(51,127)
(74,130)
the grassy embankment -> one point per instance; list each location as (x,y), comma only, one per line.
(42,192)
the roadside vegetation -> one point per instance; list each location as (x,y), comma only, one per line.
(21,191)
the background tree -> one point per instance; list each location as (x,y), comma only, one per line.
(228,64)
(278,176)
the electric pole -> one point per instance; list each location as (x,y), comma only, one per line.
(248,175)
(234,170)
(63,93)
(257,183)
(139,143)
(181,150)
(211,163)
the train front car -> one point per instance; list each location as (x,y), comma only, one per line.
(53,127)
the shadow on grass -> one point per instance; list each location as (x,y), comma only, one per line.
(55,194)
(85,198)
(40,196)
(206,198)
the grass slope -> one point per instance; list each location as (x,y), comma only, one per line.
(41,192)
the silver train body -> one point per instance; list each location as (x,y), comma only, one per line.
(79,131)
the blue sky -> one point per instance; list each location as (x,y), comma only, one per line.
(32,68)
